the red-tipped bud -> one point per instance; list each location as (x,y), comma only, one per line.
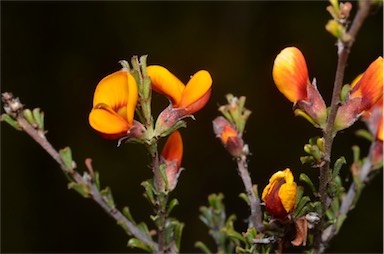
(228,136)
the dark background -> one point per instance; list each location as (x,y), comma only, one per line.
(54,53)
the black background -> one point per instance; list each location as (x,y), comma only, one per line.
(54,53)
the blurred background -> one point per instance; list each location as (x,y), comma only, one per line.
(53,54)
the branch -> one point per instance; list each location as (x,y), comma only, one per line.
(86,180)
(256,215)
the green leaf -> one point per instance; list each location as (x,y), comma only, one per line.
(128,215)
(299,194)
(96,179)
(39,118)
(339,222)
(163,174)
(107,195)
(144,229)
(365,134)
(136,243)
(303,201)
(306,159)
(12,122)
(338,164)
(244,197)
(66,156)
(178,233)
(82,189)
(174,202)
(307,180)
(203,247)
(149,192)
(29,116)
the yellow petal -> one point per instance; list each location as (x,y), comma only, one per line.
(275,178)
(290,74)
(197,87)
(287,194)
(118,90)
(103,119)
(164,82)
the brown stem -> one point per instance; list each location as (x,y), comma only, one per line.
(329,134)
(40,138)
(256,215)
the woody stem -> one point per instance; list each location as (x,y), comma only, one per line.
(256,215)
(329,134)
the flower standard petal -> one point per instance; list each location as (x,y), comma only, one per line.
(164,82)
(198,86)
(370,85)
(290,74)
(114,104)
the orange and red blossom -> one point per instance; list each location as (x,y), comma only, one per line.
(185,99)
(171,157)
(114,104)
(290,74)
(280,194)
(364,94)
(228,136)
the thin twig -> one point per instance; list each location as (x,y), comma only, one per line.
(94,193)
(256,215)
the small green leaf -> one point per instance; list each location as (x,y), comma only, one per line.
(136,243)
(12,122)
(149,192)
(128,215)
(303,201)
(339,222)
(28,115)
(365,134)
(338,164)
(107,195)
(344,93)
(244,197)
(306,159)
(82,189)
(307,180)
(299,194)
(163,174)
(39,118)
(144,229)
(66,156)
(203,247)
(174,202)
(178,233)
(96,179)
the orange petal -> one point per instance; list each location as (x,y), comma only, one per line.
(197,87)
(105,120)
(173,148)
(118,90)
(370,86)
(227,133)
(290,74)
(165,82)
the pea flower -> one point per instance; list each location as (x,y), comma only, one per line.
(171,157)
(290,74)
(185,99)
(114,104)
(228,136)
(364,94)
(280,194)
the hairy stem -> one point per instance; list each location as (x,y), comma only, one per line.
(256,215)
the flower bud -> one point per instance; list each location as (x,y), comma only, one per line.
(228,136)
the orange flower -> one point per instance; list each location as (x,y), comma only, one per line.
(228,136)
(280,194)
(114,104)
(191,97)
(290,75)
(171,157)
(367,90)
(370,86)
